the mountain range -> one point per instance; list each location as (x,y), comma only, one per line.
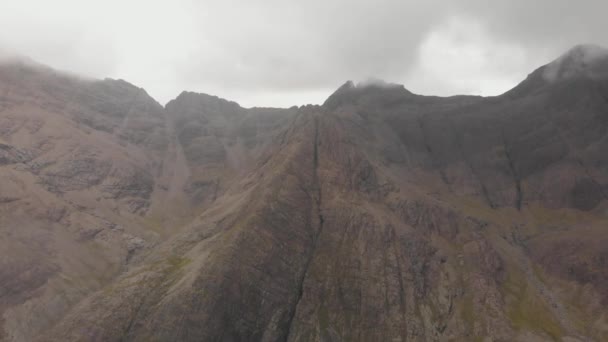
(380,215)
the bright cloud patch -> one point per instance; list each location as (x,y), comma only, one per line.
(460,58)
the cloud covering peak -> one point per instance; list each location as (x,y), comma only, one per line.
(292,52)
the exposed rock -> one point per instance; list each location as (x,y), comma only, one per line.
(12,155)
(381,215)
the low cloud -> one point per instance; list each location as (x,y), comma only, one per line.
(264,52)
(579,60)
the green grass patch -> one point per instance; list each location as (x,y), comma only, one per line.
(526,311)
(176,263)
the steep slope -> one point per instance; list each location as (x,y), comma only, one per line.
(94,175)
(78,167)
(381,215)
(220,140)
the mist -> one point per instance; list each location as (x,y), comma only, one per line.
(281,53)
(580,60)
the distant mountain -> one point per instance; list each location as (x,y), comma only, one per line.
(381,215)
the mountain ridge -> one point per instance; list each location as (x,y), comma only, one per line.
(379,215)
(582,56)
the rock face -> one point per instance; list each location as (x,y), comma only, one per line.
(380,215)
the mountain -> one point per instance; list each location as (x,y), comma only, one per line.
(380,215)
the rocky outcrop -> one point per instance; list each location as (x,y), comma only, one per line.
(11,155)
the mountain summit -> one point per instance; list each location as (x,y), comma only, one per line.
(580,61)
(578,64)
(381,215)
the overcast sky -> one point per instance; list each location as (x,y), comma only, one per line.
(283,52)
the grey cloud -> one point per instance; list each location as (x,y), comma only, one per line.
(554,25)
(262,52)
(319,44)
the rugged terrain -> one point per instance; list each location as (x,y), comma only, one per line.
(380,215)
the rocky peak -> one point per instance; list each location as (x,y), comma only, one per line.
(368,91)
(580,61)
(191,104)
